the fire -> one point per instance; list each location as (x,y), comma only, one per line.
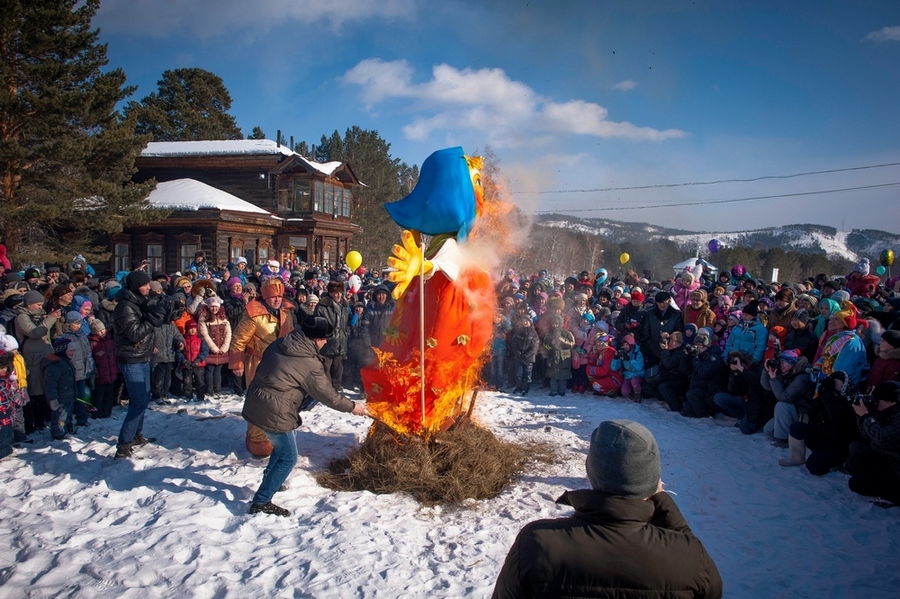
(456,321)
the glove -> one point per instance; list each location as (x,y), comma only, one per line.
(155,313)
(196,362)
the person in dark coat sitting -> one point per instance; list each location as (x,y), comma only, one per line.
(627,537)
(291,368)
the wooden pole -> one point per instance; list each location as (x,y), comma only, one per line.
(422,331)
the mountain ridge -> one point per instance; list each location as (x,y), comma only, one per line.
(851,245)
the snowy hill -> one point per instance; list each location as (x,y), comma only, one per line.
(804,238)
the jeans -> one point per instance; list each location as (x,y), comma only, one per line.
(281,462)
(137,381)
(523,374)
(731,405)
(498,372)
(214,378)
(780,426)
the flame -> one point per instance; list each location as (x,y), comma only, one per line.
(458,323)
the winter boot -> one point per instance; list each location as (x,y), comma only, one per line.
(797,456)
(268,508)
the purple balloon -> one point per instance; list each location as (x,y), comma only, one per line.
(714,245)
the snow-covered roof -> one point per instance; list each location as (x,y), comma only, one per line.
(214,147)
(231,147)
(189,194)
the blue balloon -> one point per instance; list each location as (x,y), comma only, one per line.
(714,245)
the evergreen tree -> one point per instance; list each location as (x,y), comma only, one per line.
(190,105)
(302,148)
(66,158)
(257,134)
(323,150)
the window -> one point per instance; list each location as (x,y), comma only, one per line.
(346,210)
(320,196)
(186,255)
(329,199)
(263,254)
(301,195)
(236,252)
(122,257)
(155,257)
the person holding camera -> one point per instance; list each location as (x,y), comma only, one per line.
(744,397)
(792,387)
(662,318)
(874,463)
(630,362)
(290,369)
(674,377)
(707,371)
(830,429)
(750,335)
(135,319)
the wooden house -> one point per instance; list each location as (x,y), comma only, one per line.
(251,198)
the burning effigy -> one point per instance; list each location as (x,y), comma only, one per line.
(422,386)
(429,363)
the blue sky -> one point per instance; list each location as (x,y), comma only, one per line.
(574,97)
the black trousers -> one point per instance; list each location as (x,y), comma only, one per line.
(334,368)
(871,473)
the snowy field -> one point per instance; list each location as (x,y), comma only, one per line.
(174,524)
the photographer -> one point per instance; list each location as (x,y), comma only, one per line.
(135,319)
(789,382)
(674,377)
(874,464)
(830,430)
(630,361)
(707,371)
(662,318)
(744,398)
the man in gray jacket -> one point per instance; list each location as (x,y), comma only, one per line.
(291,368)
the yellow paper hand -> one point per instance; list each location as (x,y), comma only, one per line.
(407,264)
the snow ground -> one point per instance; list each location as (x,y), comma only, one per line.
(174,523)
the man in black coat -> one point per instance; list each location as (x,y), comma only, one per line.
(627,537)
(135,318)
(662,318)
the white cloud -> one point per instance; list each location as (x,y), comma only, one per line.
(211,18)
(625,86)
(487,100)
(885,34)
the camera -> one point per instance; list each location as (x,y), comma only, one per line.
(692,350)
(735,361)
(770,363)
(863,399)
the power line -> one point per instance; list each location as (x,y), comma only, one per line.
(698,183)
(706,202)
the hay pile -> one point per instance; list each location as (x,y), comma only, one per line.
(465,462)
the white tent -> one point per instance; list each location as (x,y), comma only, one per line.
(691,262)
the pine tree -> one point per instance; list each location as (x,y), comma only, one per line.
(190,105)
(257,133)
(66,156)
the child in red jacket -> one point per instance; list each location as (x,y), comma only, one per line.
(191,362)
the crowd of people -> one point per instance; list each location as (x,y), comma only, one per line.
(814,364)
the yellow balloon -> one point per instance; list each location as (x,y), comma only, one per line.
(624,258)
(353,259)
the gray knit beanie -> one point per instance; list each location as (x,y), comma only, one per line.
(623,459)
